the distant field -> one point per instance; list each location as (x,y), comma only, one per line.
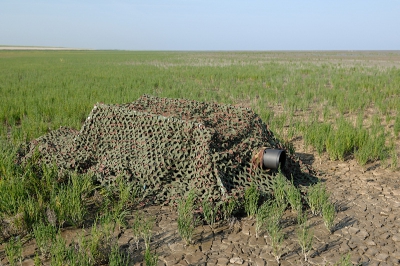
(40,48)
(342,103)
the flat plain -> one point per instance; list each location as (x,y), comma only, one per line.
(339,111)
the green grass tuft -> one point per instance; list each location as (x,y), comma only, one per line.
(251,197)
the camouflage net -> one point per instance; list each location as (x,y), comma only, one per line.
(168,146)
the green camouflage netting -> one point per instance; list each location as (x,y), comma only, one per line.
(168,146)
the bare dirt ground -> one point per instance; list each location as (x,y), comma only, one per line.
(367,226)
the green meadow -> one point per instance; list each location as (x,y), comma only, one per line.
(344,104)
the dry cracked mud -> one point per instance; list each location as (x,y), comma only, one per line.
(367,226)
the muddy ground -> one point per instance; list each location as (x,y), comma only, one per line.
(367,226)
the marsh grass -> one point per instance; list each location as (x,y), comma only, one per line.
(268,218)
(118,258)
(317,196)
(304,235)
(315,134)
(150,259)
(58,251)
(75,258)
(345,260)
(13,250)
(279,188)
(40,199)
(68,206)
(147,228)
(228,208)
(63,92)
(36,260)
(275,212)
(92,249)
(137,227)
(12,195)
(343,139)
(100,245)
(293,197)
(107,224)
(119,200)
(394,157)
(209,212)
(68,200)
(127,194)
(44,235)
(33,211)
(329,215)
(319,203)
(142,228)
(276,236)
(251,197)
(186,218)
(396,127)
(261,218)
(36,193)
(375,149)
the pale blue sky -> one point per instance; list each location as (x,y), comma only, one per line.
(202,24)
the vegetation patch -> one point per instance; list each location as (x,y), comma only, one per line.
(53,176)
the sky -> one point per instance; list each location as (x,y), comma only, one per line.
(202,24)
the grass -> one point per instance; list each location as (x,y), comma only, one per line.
(117,258)
(275,212)
(31,194)
(281,190)
(319,203)
(344,139)
(261,218)
(150,258)
(209,212)
(146,231)
(137,228)
(304,235)
(127,194)
(44,90)
(345,260)
(58,251)
(68,200)
(186,219)
(142,227)
(98,246)
(36,260)
(251,197)
(317,197)
(228,208)
(269,219)
(45,235)
(13,250)
(328,215)
(315,134)
(276,236)
(294,198)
